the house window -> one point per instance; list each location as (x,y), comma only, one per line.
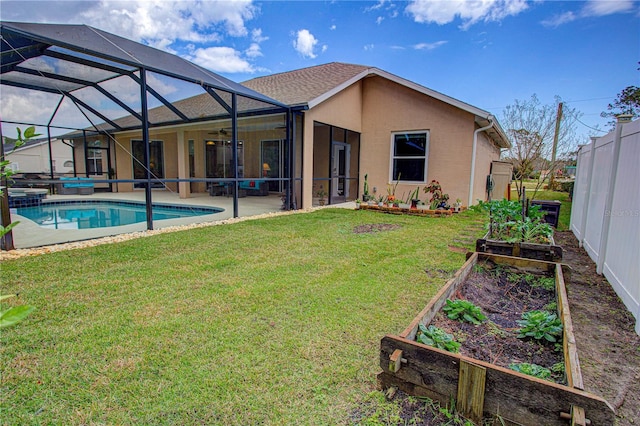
(94,161)
(410,151)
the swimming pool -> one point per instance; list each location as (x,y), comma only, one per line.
(89,214)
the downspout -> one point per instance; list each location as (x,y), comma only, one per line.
(473,157)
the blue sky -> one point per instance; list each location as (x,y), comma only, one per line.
(487,53)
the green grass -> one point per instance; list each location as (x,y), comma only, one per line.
(271,321)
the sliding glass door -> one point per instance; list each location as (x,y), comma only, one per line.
(156,162)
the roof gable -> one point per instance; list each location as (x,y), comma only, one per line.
(314,85)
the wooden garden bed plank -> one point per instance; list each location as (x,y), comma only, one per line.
(515,397)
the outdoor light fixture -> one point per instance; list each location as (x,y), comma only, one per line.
(211,143)
(265,169)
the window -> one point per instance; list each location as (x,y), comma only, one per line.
(94,161)
(409,156)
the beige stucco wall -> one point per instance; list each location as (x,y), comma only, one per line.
(377,107)
(390,107)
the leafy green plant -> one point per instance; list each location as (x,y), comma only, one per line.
(506,222)
(558,367)
(437,337)
(14,314)
(6,172)
(463,310)
(548,283)
(540,325)
(534,370)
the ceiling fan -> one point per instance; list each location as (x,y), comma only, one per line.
(219,132)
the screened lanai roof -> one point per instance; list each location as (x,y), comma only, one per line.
(100,73)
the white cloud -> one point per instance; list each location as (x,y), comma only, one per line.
(379,20)
(256,36)
(161,23)
(305,43)
(253,51)
(376,6)
(429,46)
(333,27)
(592,8)
(221,59)
(560,19)
(368,47)
(469,11)
(607,7)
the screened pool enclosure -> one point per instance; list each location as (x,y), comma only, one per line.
(140,120)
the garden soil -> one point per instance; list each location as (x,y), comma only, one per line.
(608,347)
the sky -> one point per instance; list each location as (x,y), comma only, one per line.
(487,53)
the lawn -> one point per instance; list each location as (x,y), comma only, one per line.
(270,321)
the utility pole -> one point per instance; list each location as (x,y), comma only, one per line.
(555,146)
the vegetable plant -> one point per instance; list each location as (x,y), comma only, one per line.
(534,370)
(463,310)
(437,337)
(540,325)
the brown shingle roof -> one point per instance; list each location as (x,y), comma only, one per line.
(298,87)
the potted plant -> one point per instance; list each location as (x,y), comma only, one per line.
(457,205)
(321,194)
(438,198)
(380,201)
(365,193)
(414,199)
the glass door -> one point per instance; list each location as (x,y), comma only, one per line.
(156,162)
(341,155)
(272,159)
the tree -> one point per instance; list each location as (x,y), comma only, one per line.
(627,102)
(6,239)
(531,127)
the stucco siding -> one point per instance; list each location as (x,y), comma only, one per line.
(390,107)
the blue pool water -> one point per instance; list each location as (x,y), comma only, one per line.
(88,214)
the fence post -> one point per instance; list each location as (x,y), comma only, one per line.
(585,203)
(622,118)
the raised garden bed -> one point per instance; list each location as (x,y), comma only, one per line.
(547,252)
(481,388)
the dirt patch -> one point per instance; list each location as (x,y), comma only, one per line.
(374,227)
(608,347)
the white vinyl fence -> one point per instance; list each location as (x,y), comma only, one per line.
(605,217)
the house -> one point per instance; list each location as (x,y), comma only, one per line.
(32,158)
(349,121)
(315,130)
(360,120)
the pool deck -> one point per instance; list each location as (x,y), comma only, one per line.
(28,234)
